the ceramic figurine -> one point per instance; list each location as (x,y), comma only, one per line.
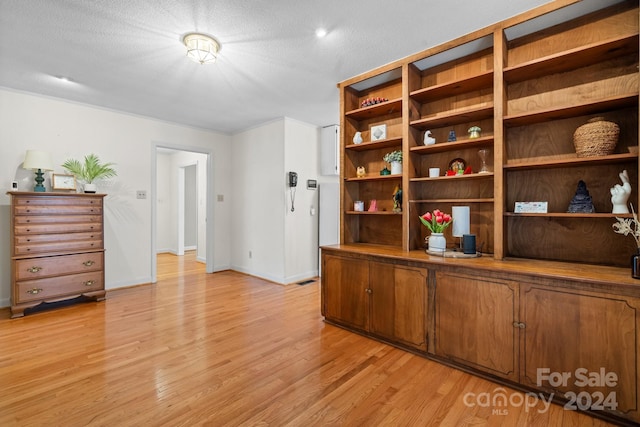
(581,202)
(385,171)
(474,132)
(357,138)
(360,171)
(397,199)
(620,194)
(373,207)
(428,139)
(452,136)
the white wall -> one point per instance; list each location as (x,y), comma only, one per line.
(257,200)
(301,225)
(70,130)
(283,244)
(166,235)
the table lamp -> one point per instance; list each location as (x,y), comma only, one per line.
(38,161)
(461,221)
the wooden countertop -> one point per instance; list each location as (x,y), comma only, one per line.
(598,276)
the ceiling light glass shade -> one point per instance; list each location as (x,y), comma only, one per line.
(35,159)
(201,48)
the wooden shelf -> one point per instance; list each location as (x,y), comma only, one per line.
(373,213)
(568,215)
(374,145)
(374,178)
(573,110)
(487,200)
(377,110)
(461,144)
(456,87)
(445,178)
(569,160)
(451,118)
(572,58)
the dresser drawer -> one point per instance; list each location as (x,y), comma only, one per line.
(68,246)
(28,239)
(55,287)
(35,229)
(57,210)
(34,268)
(50,200)
(55,219)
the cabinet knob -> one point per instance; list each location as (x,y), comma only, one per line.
(519,325)
(34,269)
(88,283)
(369,291)
(34,291)
(88,263)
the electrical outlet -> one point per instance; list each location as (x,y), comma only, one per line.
(221,197)
(141,194)
(250,254)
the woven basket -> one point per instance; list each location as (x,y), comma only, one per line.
(597,137)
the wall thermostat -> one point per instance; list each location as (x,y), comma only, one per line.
(312,184)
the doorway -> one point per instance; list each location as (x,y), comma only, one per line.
(181,203)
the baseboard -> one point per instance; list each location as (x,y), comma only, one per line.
(303,276)
(5,302)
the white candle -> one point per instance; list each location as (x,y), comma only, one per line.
(461,220)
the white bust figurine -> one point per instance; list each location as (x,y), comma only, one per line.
(620,194)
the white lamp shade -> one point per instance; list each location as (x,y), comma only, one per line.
(35,160)
(461,220)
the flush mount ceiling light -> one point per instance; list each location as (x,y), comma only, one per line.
(201,48)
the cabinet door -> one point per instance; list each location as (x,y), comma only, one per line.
(597,334)
(329,150)
(398,303)
(474,323)
(344,290)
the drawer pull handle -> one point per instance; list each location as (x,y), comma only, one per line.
(89,283)
(88,263)
(34,269)
(34,291)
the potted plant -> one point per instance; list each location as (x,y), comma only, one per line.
(89,171)
(395,159)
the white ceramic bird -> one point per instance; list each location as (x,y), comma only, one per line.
(428,139)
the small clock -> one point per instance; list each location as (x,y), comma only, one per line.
(63,182)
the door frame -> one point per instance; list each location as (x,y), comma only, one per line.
(209,219)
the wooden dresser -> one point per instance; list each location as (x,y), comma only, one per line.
(57,248)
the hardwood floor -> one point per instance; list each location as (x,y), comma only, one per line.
(228,349)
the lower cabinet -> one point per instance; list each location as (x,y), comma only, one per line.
(474,323)
(577,342)
(583,346)
(345,282)
(382,299)
(398,304)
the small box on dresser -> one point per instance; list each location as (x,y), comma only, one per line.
(57,248)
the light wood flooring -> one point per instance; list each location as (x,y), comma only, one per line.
(227,349)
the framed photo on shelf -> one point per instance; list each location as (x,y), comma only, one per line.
(63,182)
(378,132)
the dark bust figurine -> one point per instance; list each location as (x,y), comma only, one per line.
(581,202)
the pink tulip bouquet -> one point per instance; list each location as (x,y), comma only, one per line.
(437,221)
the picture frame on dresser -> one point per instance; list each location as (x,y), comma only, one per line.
(63,182)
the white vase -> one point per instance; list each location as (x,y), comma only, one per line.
(396,168)
(357,138)
(437,242)
(90,188)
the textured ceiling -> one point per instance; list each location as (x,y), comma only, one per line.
(127,55)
